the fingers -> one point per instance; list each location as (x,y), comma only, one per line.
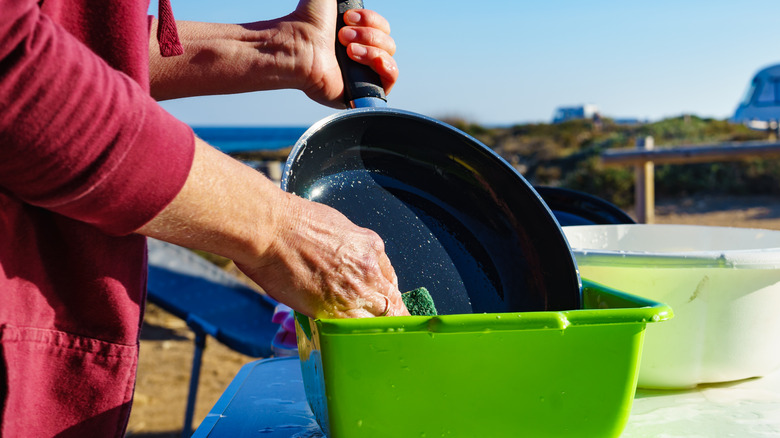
(366,17)
(373,278)
(396,306)
(368,41)
(378,60)
(386,303)
(364,33)
(384,263)
(390,303)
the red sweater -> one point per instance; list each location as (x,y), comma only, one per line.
(86,157)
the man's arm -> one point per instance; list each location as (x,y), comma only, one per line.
(306,255)
(292,52)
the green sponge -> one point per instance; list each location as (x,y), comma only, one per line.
(419,302)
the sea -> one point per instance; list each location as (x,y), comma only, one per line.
(231,139)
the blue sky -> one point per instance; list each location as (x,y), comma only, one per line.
(500,62)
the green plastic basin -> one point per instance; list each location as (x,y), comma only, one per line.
(536,374)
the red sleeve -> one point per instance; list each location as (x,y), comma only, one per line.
(77,136)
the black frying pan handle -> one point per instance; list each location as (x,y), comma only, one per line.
(360,81)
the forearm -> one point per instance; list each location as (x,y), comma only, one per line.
(292,52)
(224,207)
(225,59)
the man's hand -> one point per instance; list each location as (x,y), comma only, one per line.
(321,264)
(366,36)
(303,254)
(292,52)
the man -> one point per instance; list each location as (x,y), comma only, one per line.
(90,164)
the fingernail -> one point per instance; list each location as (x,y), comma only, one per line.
(349,34)
(359,50)
(352,17)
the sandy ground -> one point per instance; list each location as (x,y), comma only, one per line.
(167,345)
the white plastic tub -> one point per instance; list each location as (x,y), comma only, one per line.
(722,283)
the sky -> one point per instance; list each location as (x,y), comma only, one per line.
(504,62)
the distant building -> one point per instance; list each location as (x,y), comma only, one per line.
(587,111)
(629,121)
(760,108)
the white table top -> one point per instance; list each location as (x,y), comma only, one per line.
(744,409)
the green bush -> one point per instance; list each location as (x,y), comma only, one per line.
(568,155)
(615,185)
(755,177)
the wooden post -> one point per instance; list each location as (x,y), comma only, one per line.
(271,169)
(773,129)
(275,172)
(644,185)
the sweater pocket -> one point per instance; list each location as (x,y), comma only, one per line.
(60,384)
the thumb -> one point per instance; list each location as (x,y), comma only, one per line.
(321,13)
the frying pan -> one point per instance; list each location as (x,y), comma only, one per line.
(455,217)
(572,207)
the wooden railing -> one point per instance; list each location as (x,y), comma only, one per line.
(645,156)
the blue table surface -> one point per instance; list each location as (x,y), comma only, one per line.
(266,399)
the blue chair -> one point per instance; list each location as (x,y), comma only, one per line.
(213,303)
